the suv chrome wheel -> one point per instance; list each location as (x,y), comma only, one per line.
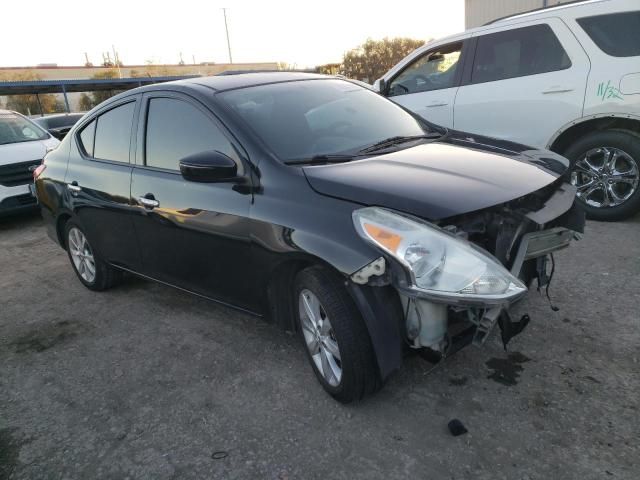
(320,338)
(605,177)
(82,255)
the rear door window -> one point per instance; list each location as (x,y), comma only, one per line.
(177,129)
(517,53)
(616,34)
(113,134)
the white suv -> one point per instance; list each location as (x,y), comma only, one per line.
(23,144)
(565,78)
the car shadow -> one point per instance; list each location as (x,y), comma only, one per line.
(20,220)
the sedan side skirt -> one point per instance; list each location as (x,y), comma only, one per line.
(206,297)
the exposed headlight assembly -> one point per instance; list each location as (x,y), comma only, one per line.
(441,266)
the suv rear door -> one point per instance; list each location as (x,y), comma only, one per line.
(526,81)
(428,83)
(612,39)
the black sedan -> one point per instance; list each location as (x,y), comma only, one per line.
(58,124)
(317,204)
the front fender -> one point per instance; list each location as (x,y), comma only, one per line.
(382,313)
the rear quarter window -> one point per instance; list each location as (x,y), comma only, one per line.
(616,34)
(86,138)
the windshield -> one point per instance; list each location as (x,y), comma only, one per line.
(15,129)
(304,119)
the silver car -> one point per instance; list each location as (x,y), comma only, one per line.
(23,144)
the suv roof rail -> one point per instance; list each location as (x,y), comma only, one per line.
(563,4)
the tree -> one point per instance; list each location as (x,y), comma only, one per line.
(329,68)
(152,70)
(90,100)
(85,103)
(28,104)
(373,58)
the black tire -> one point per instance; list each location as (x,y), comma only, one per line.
(106,276)
(625,140)
(359,368)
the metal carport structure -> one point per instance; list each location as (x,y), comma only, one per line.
(37,87)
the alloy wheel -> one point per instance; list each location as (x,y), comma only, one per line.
(320,338)
(82,255)
(605,177)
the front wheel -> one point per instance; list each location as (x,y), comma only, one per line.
(605,168)
(336,339)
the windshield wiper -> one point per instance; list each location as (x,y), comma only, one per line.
(389,142)
(325,158)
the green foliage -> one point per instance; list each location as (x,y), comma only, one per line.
(373,58)
(28,104)
(90,100)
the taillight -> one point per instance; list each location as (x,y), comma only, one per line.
(38,170)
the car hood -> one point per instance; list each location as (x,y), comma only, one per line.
(25,151)
(441,179)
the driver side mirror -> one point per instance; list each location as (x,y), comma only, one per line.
(209,167)
(380,86)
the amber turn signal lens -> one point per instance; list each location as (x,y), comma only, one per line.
(384,237)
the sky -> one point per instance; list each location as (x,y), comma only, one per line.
(301,33)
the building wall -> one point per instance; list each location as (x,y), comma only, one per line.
(479,12)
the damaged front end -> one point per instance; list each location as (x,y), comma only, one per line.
(457,279)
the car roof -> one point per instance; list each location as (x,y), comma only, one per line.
(546,10)
(53,116)
(6,112)
(242,80)
(531,14)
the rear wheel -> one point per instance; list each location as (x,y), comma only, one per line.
(92,271)
(606,171)
(336,339)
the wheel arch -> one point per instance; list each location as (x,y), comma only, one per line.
(379,306)
(280,304)
(61,221)
(576,129)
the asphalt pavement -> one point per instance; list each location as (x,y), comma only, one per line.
(145,381)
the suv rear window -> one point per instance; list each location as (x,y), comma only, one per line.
(616,34)
(517,53)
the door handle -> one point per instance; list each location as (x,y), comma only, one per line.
(437,103)
(557,89)
(148,201)
(73,187)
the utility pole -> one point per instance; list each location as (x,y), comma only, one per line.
(116,60)
(226,27)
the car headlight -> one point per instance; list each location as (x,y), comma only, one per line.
(439,263)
